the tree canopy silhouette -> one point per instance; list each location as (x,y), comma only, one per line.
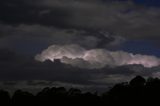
(137,91)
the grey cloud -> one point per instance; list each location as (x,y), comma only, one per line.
(26,12)
(35,38)
(122,17)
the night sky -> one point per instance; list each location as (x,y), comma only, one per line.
(88,44)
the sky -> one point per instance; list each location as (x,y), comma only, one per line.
(88,44)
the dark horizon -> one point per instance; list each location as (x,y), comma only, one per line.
(137,91)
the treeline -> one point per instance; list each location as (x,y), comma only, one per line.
(137,91)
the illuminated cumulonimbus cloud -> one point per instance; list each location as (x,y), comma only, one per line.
(94,58)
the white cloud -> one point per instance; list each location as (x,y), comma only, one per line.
(95,58)
(59,52)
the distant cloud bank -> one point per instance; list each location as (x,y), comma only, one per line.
(94,58)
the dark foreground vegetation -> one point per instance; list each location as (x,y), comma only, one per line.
(137,91)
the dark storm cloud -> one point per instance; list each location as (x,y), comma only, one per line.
(33,39)
(26,12)
(123,17)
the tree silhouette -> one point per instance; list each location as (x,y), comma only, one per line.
(137,81)
(21,98)
(5,98)
(137,91)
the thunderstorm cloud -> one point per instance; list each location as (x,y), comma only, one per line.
(94,58)
(98,42)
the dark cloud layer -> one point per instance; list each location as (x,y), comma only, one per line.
(34,38)
(26,12)
(122,17)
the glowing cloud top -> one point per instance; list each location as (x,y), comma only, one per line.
(95,58)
